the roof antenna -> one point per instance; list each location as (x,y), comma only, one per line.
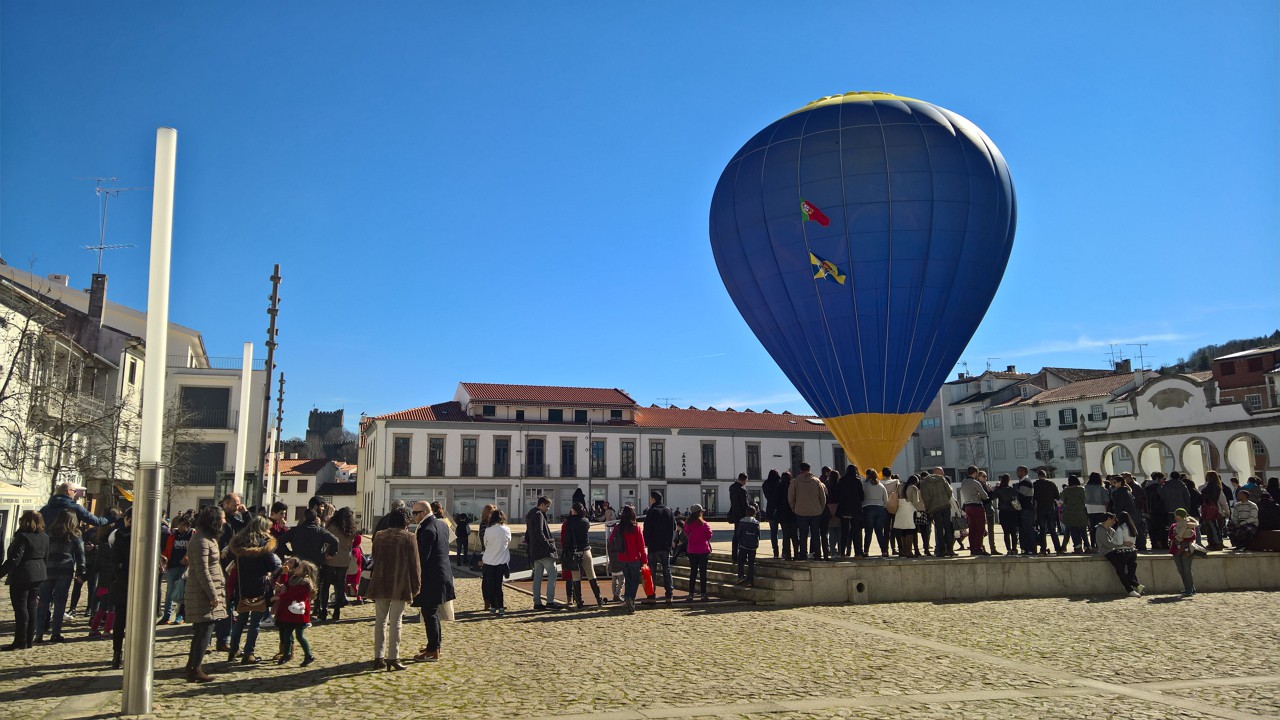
(106,193)
(989,362)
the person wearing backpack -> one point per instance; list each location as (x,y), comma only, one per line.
(746,535)
(628,542)
(737,507)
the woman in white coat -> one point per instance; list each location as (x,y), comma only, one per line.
(904,520)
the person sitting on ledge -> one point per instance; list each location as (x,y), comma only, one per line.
(1120,553)
(1244,522)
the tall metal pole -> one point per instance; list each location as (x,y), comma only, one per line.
(242,429)
(272,311)
(140,629)
(275,465)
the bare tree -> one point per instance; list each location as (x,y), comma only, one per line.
(177,448)
(1044,451)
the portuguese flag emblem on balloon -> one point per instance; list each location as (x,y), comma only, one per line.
(811,212)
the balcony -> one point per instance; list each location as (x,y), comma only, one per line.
(753,472)
(435,468)
(210,418)
(502,469)
(708,473)
(968,429)
(400,469)
(628,471)
(568,471)
(202,475)
(535,470)
(658,472)
(213,363)
(469,469)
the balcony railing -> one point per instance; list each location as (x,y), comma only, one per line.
(202,475)
(968,429)
(469,469)
(532,470)
(657,471)
(210,418)
(708,473)
(628,471)
(502,469)
(568,471)
(214,363)
(400,469)
(435,468)
(753,473)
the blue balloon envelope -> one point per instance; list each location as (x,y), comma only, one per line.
(863,237)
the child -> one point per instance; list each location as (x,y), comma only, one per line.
(354,571)
(680,543)
(746,535)
(297,588)
(615,566)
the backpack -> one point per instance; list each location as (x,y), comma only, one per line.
(750,534)
(617,543)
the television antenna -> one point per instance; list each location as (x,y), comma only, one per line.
(1142,362)
(105,194)
(989,362)
(667,401)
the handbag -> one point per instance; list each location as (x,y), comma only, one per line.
(1197,549)
(297,607)
(257,604)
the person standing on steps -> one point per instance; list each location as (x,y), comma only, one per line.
(630,547)
(1047,495)
(737,509)
(771,489)
(807,497)
(747,535)
(936,493)
(699,534)
(659,535)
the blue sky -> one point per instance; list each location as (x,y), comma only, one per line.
(518,192)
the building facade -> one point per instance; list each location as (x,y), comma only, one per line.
(509,444)
(1249,377)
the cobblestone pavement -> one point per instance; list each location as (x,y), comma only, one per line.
(1210,656)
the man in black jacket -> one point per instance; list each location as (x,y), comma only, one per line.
(542,553)
(437,575)
(309,541)
(738,502)
(772,491)
(659,533)
(1047,494)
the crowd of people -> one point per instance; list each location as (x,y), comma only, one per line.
(230,571)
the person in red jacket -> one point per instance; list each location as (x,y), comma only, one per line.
(297,587)
(629,543)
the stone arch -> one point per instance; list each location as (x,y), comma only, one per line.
(1155,456)
(1118,458)
(1198,456)
(1243,456)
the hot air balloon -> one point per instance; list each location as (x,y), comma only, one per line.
(862,237)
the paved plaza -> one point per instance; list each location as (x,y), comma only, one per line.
(1212,655)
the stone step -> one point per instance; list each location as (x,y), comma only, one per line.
(729,577)
(733,592)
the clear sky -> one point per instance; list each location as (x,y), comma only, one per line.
(519,192)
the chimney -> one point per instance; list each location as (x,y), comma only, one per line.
(97,298)
(60,279)
(1011,368)
(962,376)
(1124,366)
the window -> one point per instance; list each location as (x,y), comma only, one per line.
(1096,413)
(997,420)
(1071,447)
(838,459)
(709,461)
(599,464)
(206,407)
(299,513)
(568,457)
(615,414)
(933,452)
(1228,368)
(1019,448)
(930,422)
(502,457)
(627,455)
(657,459)
(1253,402)
(435,457)
(1044,450)
(753,461)
(997,450)
(1019,421)
(1255,364)
(519,414)
(1067,418)
(959,417)
(302,485)
(797,457)
(470,457)
(1258,447)
(535,457)
(205,460)
(488,410)
(284,485)
(555,415)
(580,416)
(133,372)
(1042,418)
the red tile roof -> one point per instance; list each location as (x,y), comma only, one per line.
(308,466)
(440,411)
(493,392)
(712,419)
(1094,387)
(1073,375)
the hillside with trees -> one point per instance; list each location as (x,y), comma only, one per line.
(1201,359)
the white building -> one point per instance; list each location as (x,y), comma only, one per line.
(1174,422)
(303,479)
(508,444)
(963,415)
